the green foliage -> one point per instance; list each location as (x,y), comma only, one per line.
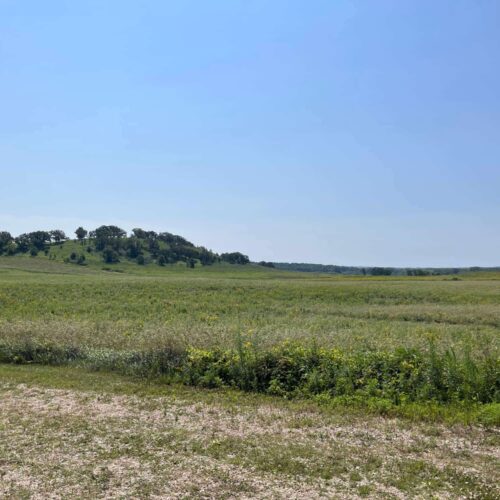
(290,370)
(108,237)
(110,256)
(6,240)
(381,271)
(57,236)
(81,233)
(266,264)
(377,271)
(113,244)
(235,258)
(399,376)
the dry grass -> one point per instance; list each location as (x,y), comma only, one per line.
(97,440)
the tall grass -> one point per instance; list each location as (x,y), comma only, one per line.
(292,369)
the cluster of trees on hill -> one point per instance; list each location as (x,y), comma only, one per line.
(30,242)
(115,244)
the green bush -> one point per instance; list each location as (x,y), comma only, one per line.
(398,376)
(389,378)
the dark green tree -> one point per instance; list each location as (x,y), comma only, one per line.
(58,236)
(110,256)
(111,236)
(81,234)
(235,258)
(5,240)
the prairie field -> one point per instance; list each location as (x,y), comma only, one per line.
(241,381)
(132,307)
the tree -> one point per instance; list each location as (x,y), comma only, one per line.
(141,234)
(174,240)
(206,257)
(109,236)
(37,239)
(58,236)
(110,256)
(381,271)
(133,246)
(81,234)
(235,258)
(5,240)
(266,264)
(162,260)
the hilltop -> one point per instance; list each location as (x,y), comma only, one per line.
(111,245)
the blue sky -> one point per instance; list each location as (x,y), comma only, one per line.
(342,132)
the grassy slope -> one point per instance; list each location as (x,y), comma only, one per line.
(94,435)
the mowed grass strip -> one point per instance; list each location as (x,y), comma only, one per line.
(94,435)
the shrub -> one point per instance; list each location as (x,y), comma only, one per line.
(382,380)
(110,256)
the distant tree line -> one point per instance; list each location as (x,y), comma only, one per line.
(114,244)
(333,269)
(266,264)
(377,271)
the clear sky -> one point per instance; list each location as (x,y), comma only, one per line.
(330,131)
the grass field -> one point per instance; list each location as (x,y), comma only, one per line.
(278,332)
(380,387)
(133,306)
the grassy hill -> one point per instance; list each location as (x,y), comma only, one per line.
(112,245)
